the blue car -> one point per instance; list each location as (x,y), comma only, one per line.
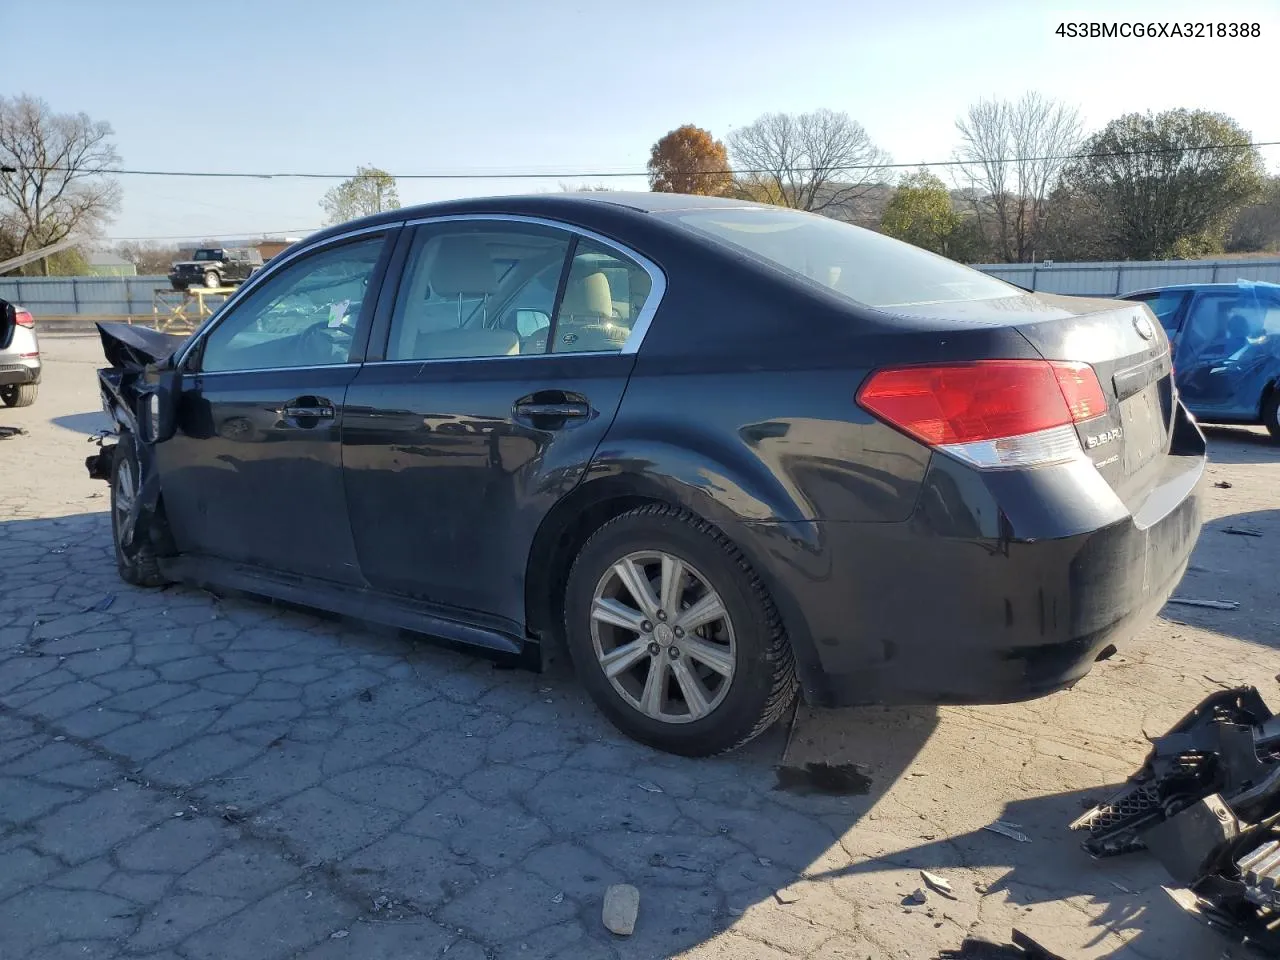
(1226,348)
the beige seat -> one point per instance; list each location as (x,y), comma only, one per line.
(456,272)
(586,321)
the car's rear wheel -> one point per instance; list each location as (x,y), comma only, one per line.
(19,394)
(674,635)
(1271,413)
(136,561)
(212,280)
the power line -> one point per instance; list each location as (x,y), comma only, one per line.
(527,175)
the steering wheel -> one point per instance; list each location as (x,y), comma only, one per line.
(321,343)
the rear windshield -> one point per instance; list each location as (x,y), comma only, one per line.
(866,267)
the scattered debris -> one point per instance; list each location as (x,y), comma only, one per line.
(1223,485)
(917,899)
(339,934)
(787,895)
(1206,803)
(7,432)
(1119,886)
(102,605)
(59,738)
(1242,531)
(1210,604)
(381,902)
(558,898)
(365,696)
(938,884)
(764,861)
(648,787)
(621,905)
(1009,830)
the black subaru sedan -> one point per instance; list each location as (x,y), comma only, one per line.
(725,452)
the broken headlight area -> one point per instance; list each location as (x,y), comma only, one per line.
(1206,804)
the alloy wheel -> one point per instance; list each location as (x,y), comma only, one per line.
(663,637)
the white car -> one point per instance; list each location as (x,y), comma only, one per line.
(20,362)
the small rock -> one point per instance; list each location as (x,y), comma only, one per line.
(648,787)
(1223,485)
(621,904)
(764,861)
(59,738)
(558,898)
(366,696)
(916,899)
(339,934)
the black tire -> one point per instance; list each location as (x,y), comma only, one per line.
(136,564)
(19,394)
(763,685)
(212,281)
(1271,413)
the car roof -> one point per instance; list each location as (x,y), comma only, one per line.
(565,205)
(1195,287)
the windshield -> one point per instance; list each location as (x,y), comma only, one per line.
(866,267)
(208,255)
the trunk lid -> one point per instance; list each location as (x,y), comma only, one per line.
(1129,352)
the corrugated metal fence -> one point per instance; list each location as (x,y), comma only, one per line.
(133,296)
(1120,277)
(83,296)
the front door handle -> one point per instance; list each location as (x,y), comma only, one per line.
(307,408)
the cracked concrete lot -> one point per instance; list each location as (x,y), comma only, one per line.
(215,780)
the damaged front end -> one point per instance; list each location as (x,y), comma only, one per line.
(1206,804)
(131,389)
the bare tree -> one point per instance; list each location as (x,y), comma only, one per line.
(59,189)
(372,190)
(821,161)
(1012,157)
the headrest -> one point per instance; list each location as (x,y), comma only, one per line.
(462,266)
(589,295)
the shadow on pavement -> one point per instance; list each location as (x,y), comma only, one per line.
(1238,445)
(434,798)
(86,423)
(1234,561)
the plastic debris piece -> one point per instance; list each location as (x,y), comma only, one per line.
(648,787)
(938,884)
(1242,531)
(787,895)
(339,934)
(1210,604)
(621,905)
(1007,830)
(558,898)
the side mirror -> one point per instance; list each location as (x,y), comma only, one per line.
(8,321)
(158,406)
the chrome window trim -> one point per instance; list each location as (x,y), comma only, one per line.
(657,284)
(256,280)
(309,366)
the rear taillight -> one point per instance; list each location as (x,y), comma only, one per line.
(25,319)
(991,413)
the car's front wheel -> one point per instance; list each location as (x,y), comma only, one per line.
(19,394)
(136,560)
(674,636)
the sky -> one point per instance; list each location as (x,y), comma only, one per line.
(565,86)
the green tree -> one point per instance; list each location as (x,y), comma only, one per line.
(370,191)
(920,212)
(689,160)
(1167,183)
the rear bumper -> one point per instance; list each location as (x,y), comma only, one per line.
(19,371)
(1002,586)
